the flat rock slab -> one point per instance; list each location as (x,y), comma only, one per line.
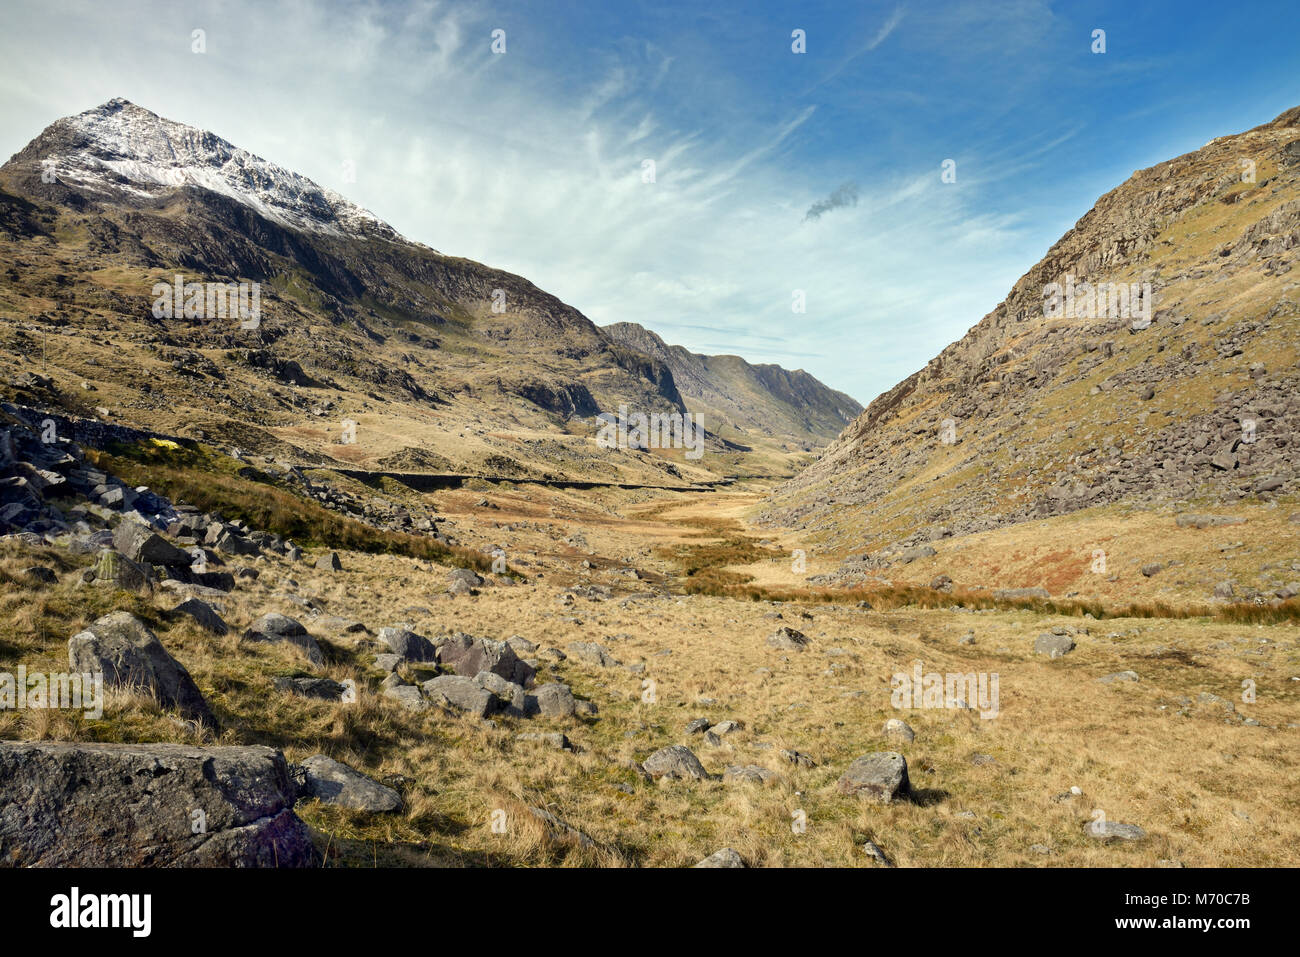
(68,804)
(335,783)
(1114,831)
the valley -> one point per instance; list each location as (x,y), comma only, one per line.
(369,561)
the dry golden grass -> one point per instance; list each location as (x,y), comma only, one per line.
(1207,790)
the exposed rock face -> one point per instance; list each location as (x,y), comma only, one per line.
(148,805)
(130,656)
(1033,414)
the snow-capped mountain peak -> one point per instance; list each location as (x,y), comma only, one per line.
(123,147)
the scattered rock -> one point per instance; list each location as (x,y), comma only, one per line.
(727,857)
(462,693)
(899,729)
(335,783)
(550,738)
(749,773)
(676,761)
(1119,676)
(469,655)
(590,653)
(1114,831)
(873,851)
(407,645)
(325,689)
(329,563)
(1054,646)
(787,639)
(276,627)
(880,776)
(1020,594)
(130,656)
(203,614)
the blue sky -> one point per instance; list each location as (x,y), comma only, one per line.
(532,160)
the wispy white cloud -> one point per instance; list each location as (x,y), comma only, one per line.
(527,164)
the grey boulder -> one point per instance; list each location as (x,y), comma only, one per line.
(881,776)
(677,761)
(276,627)
(66,804)
(727,857)
(335,783)
(129,655)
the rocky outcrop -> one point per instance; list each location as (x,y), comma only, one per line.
(69,804)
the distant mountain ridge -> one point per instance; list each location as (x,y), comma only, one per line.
(763,398)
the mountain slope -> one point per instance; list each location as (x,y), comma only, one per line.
(765,399)
(1050,416)
(443,363)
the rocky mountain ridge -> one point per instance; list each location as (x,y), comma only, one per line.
(1029,417)
(762,397)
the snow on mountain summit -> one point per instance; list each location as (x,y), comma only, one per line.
(120,141)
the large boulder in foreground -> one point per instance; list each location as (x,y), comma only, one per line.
(881,776)
(68,804)
(129,655)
